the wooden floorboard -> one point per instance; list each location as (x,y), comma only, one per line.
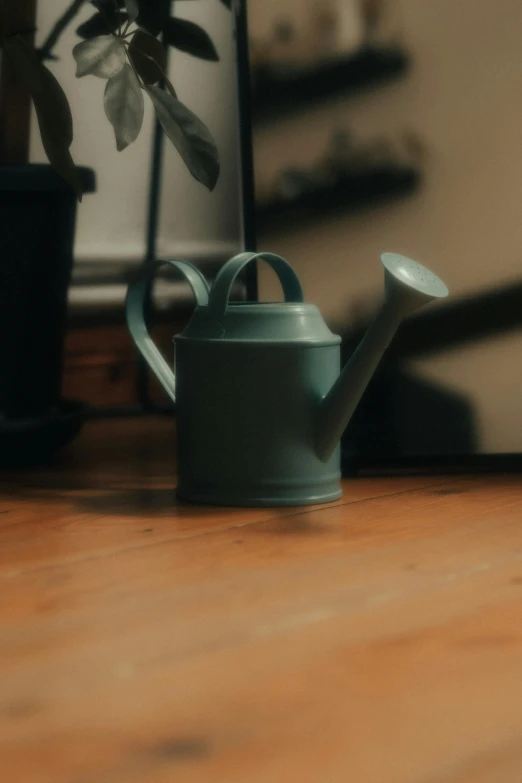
(142,640)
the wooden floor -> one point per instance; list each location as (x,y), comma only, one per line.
(374,640)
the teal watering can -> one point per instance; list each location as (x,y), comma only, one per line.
(260,399)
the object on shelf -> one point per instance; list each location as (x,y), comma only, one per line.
(278,90)
(313,31)
(335,28)
(348,174)
(371,12)
(345,154)
(350,192)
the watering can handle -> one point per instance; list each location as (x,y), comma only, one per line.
(220,293)
(134,304)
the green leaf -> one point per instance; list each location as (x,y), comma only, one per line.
(101,25)
(148,55)
(107,5)
(170,87)
(132,9)
(189,135)
(103,56)
(124,106)
(153,15)
(52,110)
(190,38)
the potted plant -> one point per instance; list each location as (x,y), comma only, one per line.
(125,43)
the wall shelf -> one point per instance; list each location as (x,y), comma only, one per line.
(350,193)
(277,92)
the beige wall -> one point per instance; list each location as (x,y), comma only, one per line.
(464,97)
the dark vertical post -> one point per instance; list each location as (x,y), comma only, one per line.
(143,379)
(245,140)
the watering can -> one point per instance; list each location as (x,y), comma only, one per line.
(261,401)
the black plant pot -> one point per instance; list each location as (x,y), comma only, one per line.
(37,224)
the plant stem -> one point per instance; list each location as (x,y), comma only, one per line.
(118,14)
(164,76)
(52,39)
(136,74)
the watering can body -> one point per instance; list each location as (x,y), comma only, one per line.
(260,400)
(245,423)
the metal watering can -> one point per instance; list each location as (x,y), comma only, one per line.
(261,402)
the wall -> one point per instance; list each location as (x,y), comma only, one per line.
(464,97)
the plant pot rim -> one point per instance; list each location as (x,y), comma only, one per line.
(41,176)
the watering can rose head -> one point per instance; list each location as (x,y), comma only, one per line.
(122,47)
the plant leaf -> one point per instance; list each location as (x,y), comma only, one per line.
(189,135)
(190,38)
(106,5)
(132,9)
(103,56)
(153,15)
(101,25)
(170,87)
(52,110)
(124,106)
(42,84)
(148,55)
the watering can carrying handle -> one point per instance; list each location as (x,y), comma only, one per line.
(134,304)
(220,293)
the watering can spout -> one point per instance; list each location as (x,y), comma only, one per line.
(408,286)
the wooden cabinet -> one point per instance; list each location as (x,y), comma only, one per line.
(102,363)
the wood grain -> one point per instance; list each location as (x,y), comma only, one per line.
(376,639)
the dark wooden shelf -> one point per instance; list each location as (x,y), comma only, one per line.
(350,193)
(276,92)
(476,316)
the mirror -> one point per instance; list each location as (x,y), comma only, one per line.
(382,125)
